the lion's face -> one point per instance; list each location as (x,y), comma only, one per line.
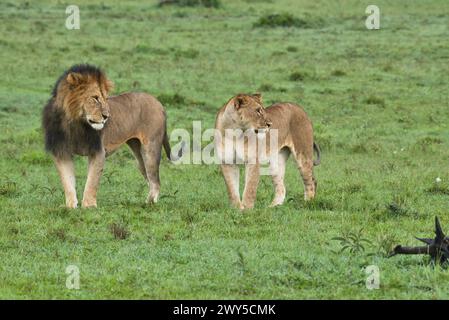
(95,107)
(252,112)
(85,98)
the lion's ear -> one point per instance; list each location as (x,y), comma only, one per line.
(108,86)
(258,97)
(74,78)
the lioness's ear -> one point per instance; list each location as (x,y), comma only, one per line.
(74,78)
(238,102)
(258,97)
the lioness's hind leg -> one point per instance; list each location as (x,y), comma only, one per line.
(277,175)
(151,155)
(252,176)
(305,165)
(136,146)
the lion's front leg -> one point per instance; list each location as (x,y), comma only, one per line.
(66,172)
(231,174)
(252,175)
(96,164)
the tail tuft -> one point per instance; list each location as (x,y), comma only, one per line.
(316,147)
(167,149)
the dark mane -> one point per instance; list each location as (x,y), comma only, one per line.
(64,137)
(84,69)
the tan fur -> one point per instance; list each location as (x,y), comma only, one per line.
(295,135)
(137,119)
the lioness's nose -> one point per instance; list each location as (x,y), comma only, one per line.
(269,123)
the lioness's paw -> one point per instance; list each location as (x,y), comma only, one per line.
(248,206)
(89,204)
(71,204)
(275,204)
(238,205)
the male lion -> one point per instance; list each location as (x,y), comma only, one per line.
(80,119)
(246,114)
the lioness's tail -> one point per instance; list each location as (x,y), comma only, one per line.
(167,149)
(316,147)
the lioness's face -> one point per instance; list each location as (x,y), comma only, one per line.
(252,113)
(91,96)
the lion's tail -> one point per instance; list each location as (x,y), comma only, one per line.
(167,149)
(316,147)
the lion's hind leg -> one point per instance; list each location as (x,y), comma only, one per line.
(151,156)
(277,174)
(136,147)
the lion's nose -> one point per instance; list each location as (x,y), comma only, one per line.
(269,123)
(105,116)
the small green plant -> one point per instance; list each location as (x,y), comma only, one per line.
(353,241)
(386,244)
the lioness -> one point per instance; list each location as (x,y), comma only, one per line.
(246,113)
(80,119)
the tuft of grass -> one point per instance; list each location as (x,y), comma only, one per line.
(438,188)
(338,73)
(119,230)
(192,3)
(35,157)
(266,87)
(374,100)
(172,99)
(188,54)
(8,188)
(399,208)
(299,75)
(287,20)
(58,233)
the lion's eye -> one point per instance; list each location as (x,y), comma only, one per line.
(259,110)
(96,98)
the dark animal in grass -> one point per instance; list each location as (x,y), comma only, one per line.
(437,248)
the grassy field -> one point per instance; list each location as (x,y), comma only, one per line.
(379,103)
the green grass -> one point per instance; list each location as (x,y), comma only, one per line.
(378,100)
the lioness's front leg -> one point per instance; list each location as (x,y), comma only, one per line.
(96,164)
(252,175)
(231,174)
(66,172)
